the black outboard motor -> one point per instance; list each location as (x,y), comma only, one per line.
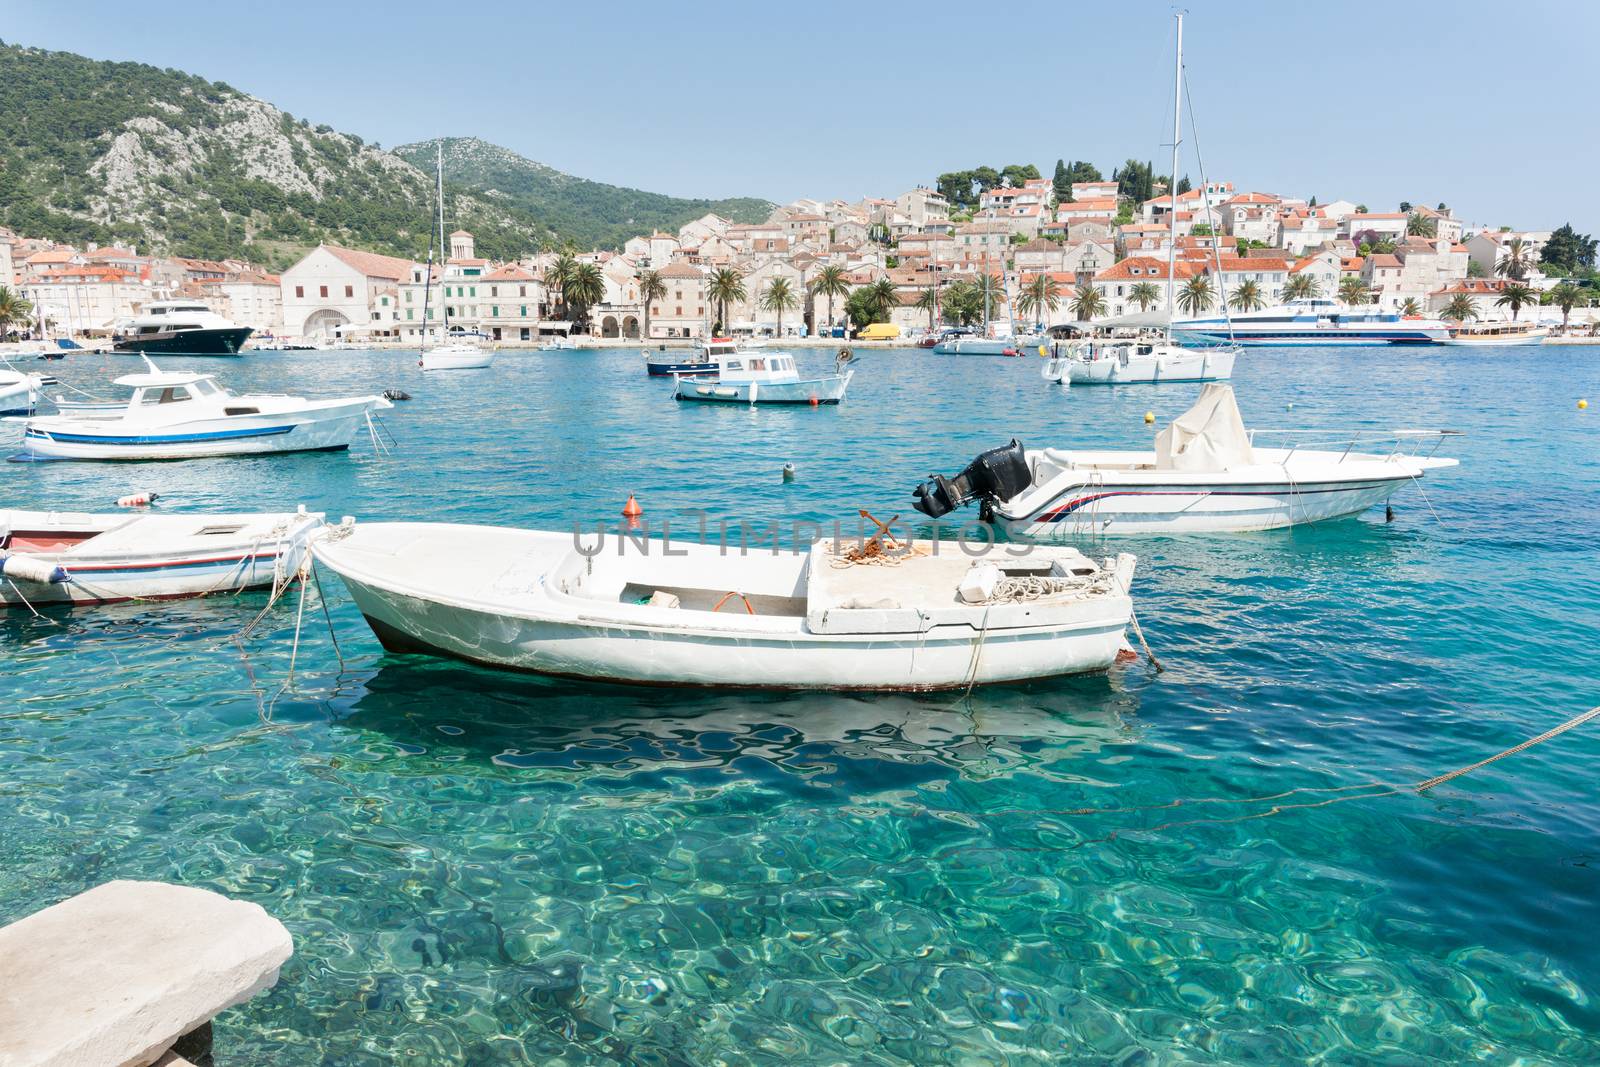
(994,477)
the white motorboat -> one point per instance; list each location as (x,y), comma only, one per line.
(457,355)
(19,391)
(1205,475)
(175,415)
(703,360)
(690,614)
(763,377)
(1497,334)
(181,328)
(58,557)
(1143,360)
(1315,321)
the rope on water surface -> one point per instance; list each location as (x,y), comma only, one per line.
(1576,720)
(1138,632)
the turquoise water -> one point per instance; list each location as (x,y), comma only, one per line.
(484,868)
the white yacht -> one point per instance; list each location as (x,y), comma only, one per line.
(1314,321)
(181,328)
(1497,334)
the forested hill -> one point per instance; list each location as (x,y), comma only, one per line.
(98,152)
(591,213)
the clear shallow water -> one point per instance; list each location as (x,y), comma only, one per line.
(494,869)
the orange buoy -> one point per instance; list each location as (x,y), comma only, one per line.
(138,500)
(814,400)
(632,509)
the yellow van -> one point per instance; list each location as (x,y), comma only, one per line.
(879,331)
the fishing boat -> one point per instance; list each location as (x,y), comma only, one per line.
(172,415)
(932,617)
(19,391)
(766,378)
(52,557)
(995,341)
(1497,334)
(461,350)
(703,360)
(1206,474)
(181,328)
(1314,321)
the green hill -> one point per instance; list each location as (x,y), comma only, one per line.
(99,152)
(591,214)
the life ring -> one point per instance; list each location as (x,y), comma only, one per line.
(729,596)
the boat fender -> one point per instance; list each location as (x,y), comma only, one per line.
(138,500)
(32,569)
(979,583)
(788,472)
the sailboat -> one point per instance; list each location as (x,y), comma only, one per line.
(1153,356)
(459,354)
(996,339)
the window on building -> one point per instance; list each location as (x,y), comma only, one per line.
(474,291)
(324,289)
(494,311)
(349,290)
(408,314)
(522,290)
(300,291)
(524,310)
(494,290)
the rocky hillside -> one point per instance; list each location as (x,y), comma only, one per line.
(591,213)
(97,152)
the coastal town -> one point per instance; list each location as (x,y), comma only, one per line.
(1054,251)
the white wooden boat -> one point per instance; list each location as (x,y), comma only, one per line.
(1497,334)
(1205,475)
(703,360)
(51,557)
(457,355)
(763,377)
(703,616)
(19,392)
(183,416)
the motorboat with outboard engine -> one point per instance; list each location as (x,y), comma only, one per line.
(1206,474)
(763,377)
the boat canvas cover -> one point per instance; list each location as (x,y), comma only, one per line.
(1210,436)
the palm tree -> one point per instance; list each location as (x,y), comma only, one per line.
(928,301)
(963,304)
(1514,295)
(1040,298)
(1088,303)
(1410,308)
(1565,296)
(559,274)
(1196,295)
(1461,308)
(13,309)
(1302,287)
(883,298)
(779,297)
(1353,291)
(585,288)
(991,292)
(830,282)
(727,287)
(1247,296)
(1419,225)
(1515,262)
(651,289)
(1145,294)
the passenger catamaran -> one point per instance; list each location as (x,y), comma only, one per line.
(1159,358)
(1316,322)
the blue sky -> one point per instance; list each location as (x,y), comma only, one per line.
(1482,105)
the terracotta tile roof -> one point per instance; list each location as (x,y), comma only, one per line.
(1148,267)
(1475,286)
(1250,263)
(1377,215)
(371,264)
(50,255)
(680,270)
(1038,244)
(1384,260)
(509,273)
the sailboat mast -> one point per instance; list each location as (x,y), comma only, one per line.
(1172,181)
(444,255)
(987,281)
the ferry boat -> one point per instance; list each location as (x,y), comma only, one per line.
(1314,322)
(1497,334)
(181,328)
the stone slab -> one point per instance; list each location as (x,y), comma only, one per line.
(116,975)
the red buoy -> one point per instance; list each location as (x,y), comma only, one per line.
(814,400)
(632,509)
(138,500)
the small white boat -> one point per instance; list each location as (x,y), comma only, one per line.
(702,616)
(1145,360)
(1497,334)
(1205,475)
(19,392)
(457,355)
(51,557)
(763,377)
(175,415)
(703,360)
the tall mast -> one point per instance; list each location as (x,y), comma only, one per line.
(444,253)
(987,281)
(1172,181)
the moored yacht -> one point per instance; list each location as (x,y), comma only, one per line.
(1314,321)
(1497,334)
(181,328)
